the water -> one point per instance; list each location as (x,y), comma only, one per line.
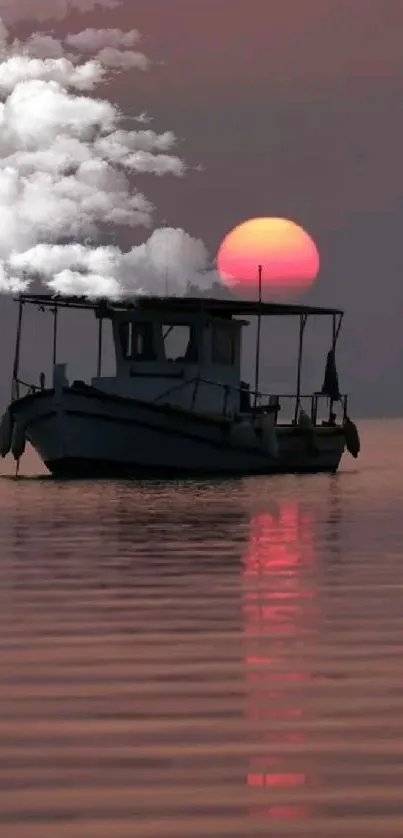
(190,660)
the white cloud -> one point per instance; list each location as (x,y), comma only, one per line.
(37,112)
(161,164)
(38,46)
(70,282)
(41,10)
(12,284)
(169,260)
(122,59)
(119,145)
(67,167)
(93,40)
(112,48)
(143,118)
(20,68)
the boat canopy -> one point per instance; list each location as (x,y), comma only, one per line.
(185,305)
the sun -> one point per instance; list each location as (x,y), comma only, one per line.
(288,255)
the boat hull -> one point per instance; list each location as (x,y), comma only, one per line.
(87,469)
(92,434)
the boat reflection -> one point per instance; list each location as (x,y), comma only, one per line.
(279,621)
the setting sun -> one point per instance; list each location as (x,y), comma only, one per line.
(288,255)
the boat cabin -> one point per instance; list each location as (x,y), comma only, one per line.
(191,359)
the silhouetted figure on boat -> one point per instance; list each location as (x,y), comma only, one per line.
(331,383)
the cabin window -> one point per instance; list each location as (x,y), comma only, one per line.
(180,343)
(137,340)
(223,348)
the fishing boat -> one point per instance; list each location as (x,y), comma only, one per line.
(176,404)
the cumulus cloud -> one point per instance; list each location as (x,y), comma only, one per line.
(41,10)
(67,166)
(20,68)
(113,48)
(170,260)
(38,46)
(92,286)
(93,40)
(122,59)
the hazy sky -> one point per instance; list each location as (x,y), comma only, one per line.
(294,109)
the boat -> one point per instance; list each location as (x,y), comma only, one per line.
(176,405)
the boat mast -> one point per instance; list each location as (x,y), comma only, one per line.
(334,341)
(55,312)
(99,360)
(259,318)
(15,390)
(302,323)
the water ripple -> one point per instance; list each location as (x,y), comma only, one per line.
(204,659)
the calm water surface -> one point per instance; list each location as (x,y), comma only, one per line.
(204,659)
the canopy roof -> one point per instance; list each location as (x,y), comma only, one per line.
(184,305)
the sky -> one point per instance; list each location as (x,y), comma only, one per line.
(290,108)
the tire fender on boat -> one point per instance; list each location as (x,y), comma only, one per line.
(269,436)
(352,438)
(304,421)
(305,425)
(6,432)
(18,441)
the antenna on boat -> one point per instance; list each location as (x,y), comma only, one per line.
(259,318)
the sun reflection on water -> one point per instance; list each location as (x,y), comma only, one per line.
(279,617)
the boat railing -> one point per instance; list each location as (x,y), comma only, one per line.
(285,406)
(29,388)
(316,405)
(288,404)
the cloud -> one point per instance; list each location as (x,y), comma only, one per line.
(9,284)
(67,166)
(41,10)
(93,40)
(39,46)
(123,59)
(69,282)
(20,68)
(169,261)
(113,48)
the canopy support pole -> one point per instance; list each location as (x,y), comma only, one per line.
(54,355)
(99,359)
(335,332)
(15,388)
(259,322)
(302,323)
